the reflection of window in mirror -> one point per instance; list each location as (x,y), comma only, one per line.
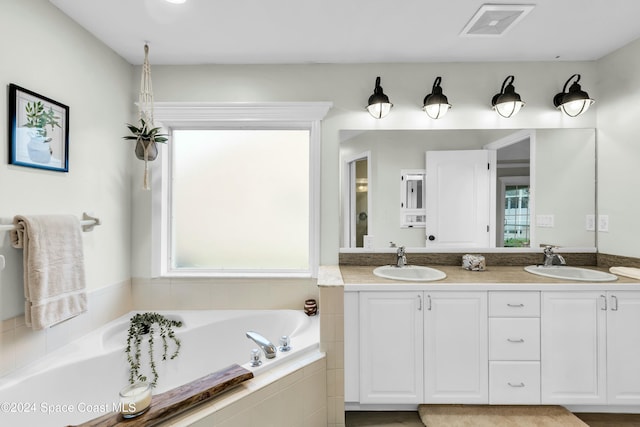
(362,195)
(412,209)
(516,225)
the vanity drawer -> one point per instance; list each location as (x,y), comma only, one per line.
(514,383)
(514,304)
(514,339)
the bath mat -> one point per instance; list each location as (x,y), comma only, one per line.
(497,416)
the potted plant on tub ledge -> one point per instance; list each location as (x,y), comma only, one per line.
(146,137)
(147,325)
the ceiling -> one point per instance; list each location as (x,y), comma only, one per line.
(350,31)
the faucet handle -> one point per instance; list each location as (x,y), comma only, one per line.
(255,358)
(284,343)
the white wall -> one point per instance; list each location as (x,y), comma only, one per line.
(618,136)
(469,87)
(44,51)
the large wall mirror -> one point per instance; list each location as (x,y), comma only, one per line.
(482,189)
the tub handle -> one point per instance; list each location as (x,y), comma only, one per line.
(284,343)
(255,358)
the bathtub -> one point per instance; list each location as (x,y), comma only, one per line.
(81,380)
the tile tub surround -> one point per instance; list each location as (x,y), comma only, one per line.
(331,310)
(181,293)
(21,345)
(297,398)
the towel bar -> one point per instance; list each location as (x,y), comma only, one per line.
(87,222)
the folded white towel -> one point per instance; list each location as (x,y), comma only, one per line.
(632,272)
(54,278)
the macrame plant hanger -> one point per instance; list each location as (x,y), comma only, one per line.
(145,109)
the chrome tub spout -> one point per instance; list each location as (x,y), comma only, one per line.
(267,347)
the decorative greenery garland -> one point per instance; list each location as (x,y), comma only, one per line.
(142,324)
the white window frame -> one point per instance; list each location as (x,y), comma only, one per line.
(187,115)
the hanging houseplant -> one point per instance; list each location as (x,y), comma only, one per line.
(146,324)
(146,148)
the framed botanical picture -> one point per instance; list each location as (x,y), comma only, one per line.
(38,131)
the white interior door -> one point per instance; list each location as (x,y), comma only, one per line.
(458,198)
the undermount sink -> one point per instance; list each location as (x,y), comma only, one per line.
(571,273)
(415,273)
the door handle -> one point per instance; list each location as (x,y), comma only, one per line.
(614,303)
(431,237)
(419,302)
(604,302)
(515,340)
(429,302)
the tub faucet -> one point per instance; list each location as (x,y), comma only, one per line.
(551,258)
(267,347)
(402,257)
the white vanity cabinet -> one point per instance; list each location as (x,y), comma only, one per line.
(455,342)
(514,344)
(416,347)
(391,352)
(514,348)
(590,344)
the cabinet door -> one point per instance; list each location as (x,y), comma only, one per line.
(456,351)
(623,348)
(573,347)
(391,355)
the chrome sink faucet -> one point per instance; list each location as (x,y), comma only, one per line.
(401,260)
(267,347)
(552,258)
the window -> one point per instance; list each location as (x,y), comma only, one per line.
(240,199)
(238,190)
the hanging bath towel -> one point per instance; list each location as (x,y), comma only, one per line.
(54,278)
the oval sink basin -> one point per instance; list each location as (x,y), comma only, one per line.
(571,273)
(415,273)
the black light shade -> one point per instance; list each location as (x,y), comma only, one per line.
(507,103)
(436,104)
(379,105)
(574,102)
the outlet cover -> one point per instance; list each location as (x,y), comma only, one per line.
(590,223)
(545,221)
(603,223)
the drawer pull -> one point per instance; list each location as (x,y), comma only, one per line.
(515,340)
(519,385)
(515,305)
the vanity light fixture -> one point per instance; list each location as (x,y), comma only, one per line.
(574,102)
(379,105)
(436,104)
(507,103)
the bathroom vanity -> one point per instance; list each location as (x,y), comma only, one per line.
(500,336)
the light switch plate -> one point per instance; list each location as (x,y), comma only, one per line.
(590,223)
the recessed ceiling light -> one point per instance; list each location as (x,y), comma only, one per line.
(176,1)
(495,19)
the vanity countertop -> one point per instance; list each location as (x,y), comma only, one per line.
(361,278)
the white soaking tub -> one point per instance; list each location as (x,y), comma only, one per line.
(81,381)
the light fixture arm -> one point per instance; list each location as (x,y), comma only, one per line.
(436,85)
(509,86)
(564,88)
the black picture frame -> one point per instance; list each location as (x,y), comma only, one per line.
(38,131)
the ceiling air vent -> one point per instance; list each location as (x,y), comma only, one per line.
(495,19)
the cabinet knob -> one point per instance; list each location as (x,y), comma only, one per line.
(515,340)
(518,385)
(515,305)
